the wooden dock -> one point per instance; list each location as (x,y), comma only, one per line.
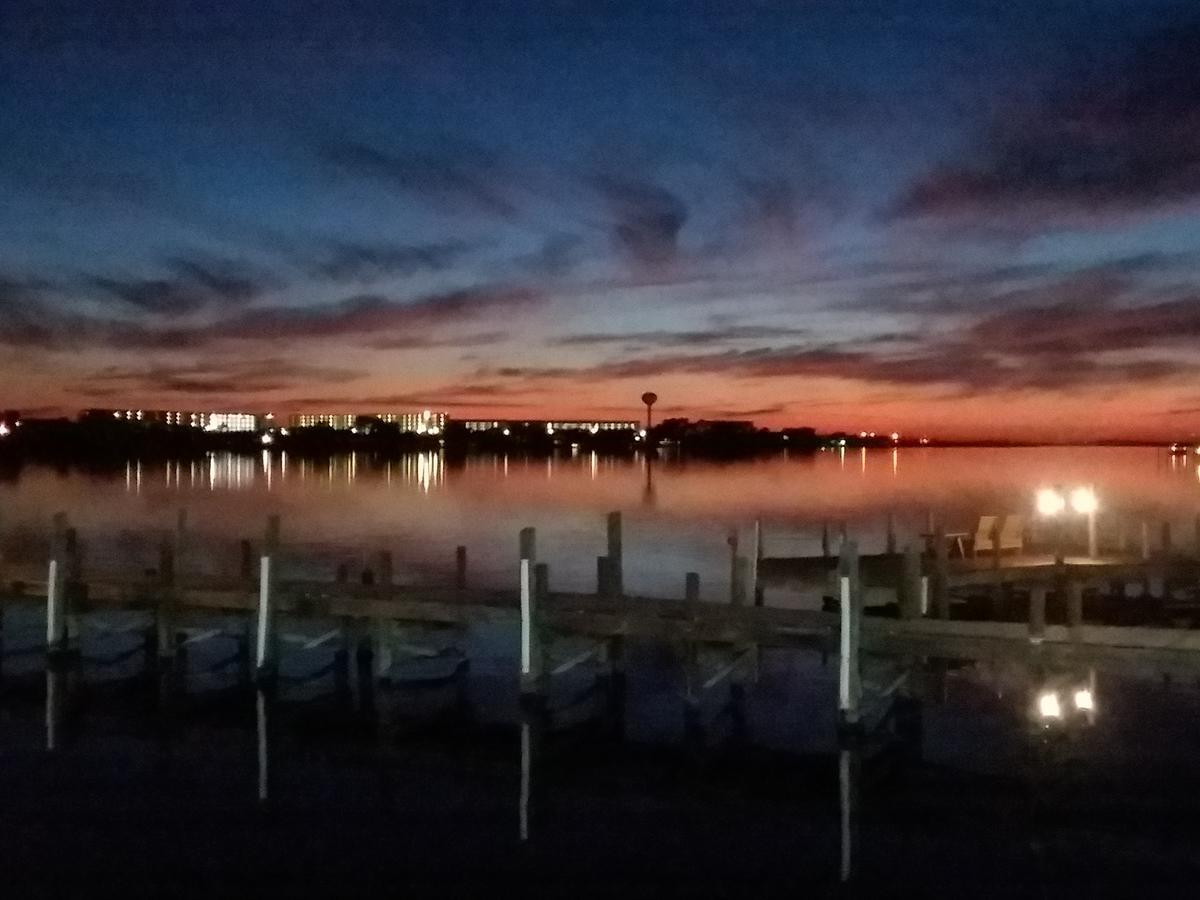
(560,631)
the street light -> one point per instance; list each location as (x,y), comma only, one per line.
(1084,502)
(1050,502)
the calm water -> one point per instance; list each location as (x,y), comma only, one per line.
(420,508)
(146,798)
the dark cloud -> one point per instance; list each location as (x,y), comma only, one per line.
(458,176)
(366,262)
(1091,329)
(429,342)
(682,338)
(773,206)
(193,286)
(39,324)
(555,257)
(375,314)
(1123,134)
(216,379)
(647,218)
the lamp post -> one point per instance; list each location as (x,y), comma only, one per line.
(1083,501)
(1052,502)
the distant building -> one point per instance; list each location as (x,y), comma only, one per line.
(208,421)
(594,426)
(423,422)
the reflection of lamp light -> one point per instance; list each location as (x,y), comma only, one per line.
(1048,705)
(1084,700)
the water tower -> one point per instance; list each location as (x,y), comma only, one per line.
(649,398)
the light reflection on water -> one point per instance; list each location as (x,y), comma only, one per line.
(678,513)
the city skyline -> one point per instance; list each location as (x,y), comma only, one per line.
(968,220)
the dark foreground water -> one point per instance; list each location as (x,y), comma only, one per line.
(214,795)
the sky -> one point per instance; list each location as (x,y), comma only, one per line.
(953,218)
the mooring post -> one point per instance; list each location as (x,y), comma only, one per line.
(56,613)
(850,607)
(616,570)
(756,562)
(825,540)
(910,583)
(1037,613)
(265,661)
(941,565)
(741,574)
(247,564)
(891,532)
(169,561)
(460,567)
(531,586)
(1075,610)
(386,569)
(732,540)
(72,586)
(603,584)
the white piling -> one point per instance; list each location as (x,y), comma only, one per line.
(263,638)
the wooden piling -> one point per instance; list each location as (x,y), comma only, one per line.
(170,564)
(825,540)
(910,583)
(850,607)
(164,610)
(616,573)
(460,567)
(741,575)
(1037,613)
(246,568)
(1075,610)
(72,586)
(756,561)
(385,568)
(939,582)
(891,532)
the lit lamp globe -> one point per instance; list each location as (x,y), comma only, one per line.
(1083,501)
(1050,502)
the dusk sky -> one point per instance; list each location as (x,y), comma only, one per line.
(971,219)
